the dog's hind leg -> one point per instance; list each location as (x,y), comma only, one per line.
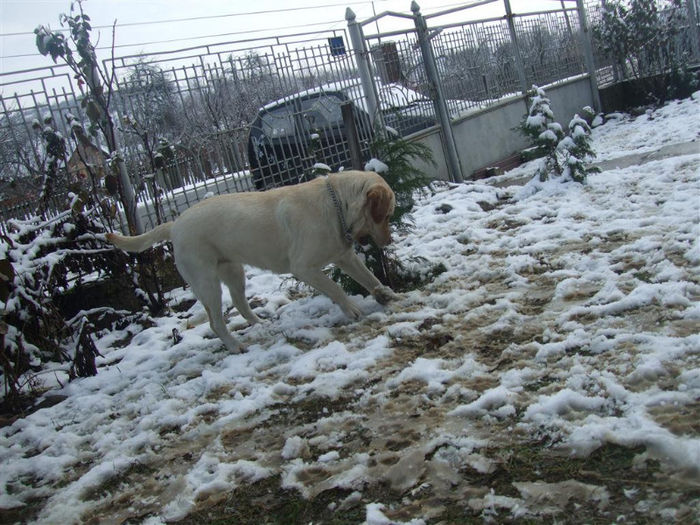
(233,275)
(207,288)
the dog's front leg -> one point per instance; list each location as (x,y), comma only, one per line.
(323,284)
(355,268)
(384,294)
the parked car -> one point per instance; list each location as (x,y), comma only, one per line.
(292,135)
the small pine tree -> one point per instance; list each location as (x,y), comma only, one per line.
(401,174)
(565,156)
(545,133)
(588,114)
(576,151)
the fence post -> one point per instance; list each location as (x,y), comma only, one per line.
(588,55)
(454,165)
(357,39)
(353,137)
(518,57)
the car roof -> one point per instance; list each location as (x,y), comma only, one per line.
(327,89)
(396,95)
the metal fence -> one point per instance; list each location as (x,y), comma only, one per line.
(225,120)
(252,114)
(476,60)
(209,111)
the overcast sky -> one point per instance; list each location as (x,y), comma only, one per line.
(159,25)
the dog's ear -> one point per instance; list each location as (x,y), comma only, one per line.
(379,201)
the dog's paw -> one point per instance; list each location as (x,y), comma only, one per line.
(253,320)
(353,311)
(384,294)
(238,349)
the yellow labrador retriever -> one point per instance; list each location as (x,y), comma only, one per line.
(295,229)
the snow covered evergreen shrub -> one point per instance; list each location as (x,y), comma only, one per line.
(398,169)
(56,153)
(539,125)
(588,114)
(45,266)
(576,151)
(43,259)
(394,159)
(564,155)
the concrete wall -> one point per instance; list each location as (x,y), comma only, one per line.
(488,136)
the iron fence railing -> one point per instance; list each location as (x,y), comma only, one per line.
(194,108)
(476,59)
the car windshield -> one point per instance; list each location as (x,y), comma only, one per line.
(278,122)
(322,111)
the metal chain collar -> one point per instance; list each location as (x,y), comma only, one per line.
(347,234)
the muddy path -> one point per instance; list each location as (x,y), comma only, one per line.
(508,391)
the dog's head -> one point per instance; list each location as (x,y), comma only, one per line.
(379,208)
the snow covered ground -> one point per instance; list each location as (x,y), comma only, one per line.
(551,372)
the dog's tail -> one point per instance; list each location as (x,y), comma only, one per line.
(139,243)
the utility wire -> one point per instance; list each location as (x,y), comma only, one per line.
(329,23)
(193,38)
(228,15)
(209,17)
